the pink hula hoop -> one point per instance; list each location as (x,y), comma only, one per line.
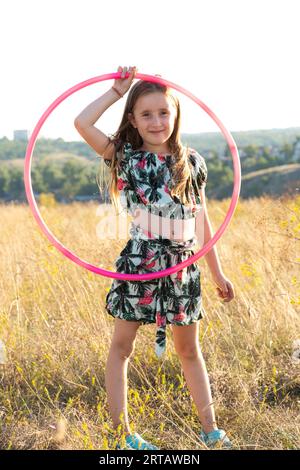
(69,254)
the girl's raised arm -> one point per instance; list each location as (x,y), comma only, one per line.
(85,121)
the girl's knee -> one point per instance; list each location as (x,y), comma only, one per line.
(188,351)
(186,340)
(123,349)
(124,337)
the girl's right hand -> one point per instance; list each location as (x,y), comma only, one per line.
(123,84)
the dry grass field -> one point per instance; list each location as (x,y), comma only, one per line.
(56,334)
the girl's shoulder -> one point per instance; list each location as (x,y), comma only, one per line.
(123,153)
(199,166)
(195,157)
(128,150)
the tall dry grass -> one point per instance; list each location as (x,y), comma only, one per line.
(57,334)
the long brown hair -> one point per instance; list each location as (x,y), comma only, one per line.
(180,169)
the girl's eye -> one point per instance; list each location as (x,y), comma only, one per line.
(164,112)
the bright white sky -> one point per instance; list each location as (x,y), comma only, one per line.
(240,57)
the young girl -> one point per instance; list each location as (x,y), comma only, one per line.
(161,184)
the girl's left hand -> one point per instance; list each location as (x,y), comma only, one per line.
(225,288)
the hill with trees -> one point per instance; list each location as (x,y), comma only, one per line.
(270,163)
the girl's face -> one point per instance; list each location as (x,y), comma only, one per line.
(154,116)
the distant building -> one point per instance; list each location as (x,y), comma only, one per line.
(21,135)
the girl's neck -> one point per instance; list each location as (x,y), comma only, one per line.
(156,151)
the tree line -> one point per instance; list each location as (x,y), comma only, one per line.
(73,173)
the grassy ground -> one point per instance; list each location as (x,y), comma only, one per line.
(57,334)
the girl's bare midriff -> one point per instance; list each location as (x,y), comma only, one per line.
(175,229)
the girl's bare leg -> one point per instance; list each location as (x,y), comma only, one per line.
(121,348)
(188,349)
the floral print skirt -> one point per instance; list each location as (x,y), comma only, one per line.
(172,299)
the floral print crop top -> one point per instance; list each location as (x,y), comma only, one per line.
(144,178)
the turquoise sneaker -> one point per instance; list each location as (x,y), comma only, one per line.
(136,442)
(215,439)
